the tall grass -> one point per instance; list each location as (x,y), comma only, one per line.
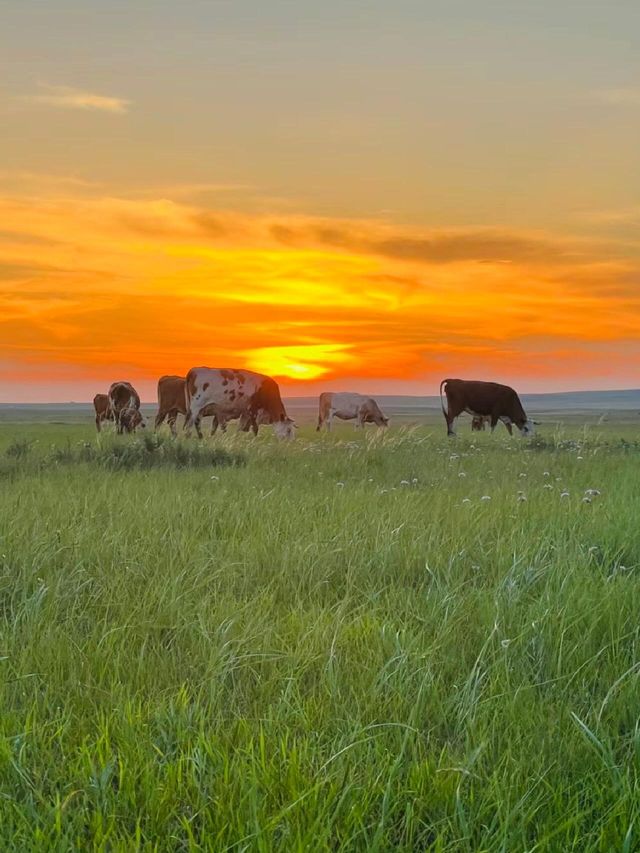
(338,645)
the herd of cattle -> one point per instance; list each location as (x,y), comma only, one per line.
(254,399)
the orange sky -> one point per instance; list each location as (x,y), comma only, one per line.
(344,209)
(96,288)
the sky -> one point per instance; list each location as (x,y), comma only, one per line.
(345,195)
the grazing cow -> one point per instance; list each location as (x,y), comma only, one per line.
(172,402)
(122,395)
(229,394)
(483,399)
(103,410)
(348,407)
(479,423)
(131,419)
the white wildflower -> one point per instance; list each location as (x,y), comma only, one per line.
(404,482)
(485,498)
(461,474)
(564,494)
(340,484)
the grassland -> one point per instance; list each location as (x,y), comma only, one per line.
(333,645)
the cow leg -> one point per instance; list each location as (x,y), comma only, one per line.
(329,420)
(193,418)
(507,423)
(160,419)
(451,414)
(494,421)
(320,422)
(214,425)
(171,420)
(98,420)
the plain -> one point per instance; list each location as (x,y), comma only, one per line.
(378,641)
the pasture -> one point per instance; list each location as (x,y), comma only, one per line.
(359,642)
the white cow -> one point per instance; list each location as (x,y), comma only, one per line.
(227,394)
(347,407)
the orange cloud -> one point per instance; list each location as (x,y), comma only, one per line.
(140,287)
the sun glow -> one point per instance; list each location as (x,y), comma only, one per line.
(305,362)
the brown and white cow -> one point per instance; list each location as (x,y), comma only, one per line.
(228,393)
(131,419)
(349,406)
(102,409)
(172,402)
(122,395)
(483,399)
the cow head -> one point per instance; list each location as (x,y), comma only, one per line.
(384,421)
(527,429)
(285,428)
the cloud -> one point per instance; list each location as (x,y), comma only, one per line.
(173,284)
(68,98)
(623,96)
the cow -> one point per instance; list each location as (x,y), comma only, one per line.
(228,393)
(484,399)
(347,407)
(172,402)
(122,395)
(102,409)
(479,424)
(131,419)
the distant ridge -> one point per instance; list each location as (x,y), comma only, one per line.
(627,399)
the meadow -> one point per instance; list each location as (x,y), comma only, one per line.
(359,642)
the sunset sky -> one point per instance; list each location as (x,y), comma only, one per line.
(345,195)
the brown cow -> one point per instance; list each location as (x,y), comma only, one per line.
(122,395)
(231,393)
(172,402)
(483,399)
(103,410)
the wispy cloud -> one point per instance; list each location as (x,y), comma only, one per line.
(69,98)
(629,95)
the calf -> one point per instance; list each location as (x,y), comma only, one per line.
(122,395)
(131,419)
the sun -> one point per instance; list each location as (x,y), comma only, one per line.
(304,362)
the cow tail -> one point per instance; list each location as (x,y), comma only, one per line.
(445,412)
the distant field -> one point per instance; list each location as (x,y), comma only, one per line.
(359,641)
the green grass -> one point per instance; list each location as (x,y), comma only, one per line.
(321,646)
